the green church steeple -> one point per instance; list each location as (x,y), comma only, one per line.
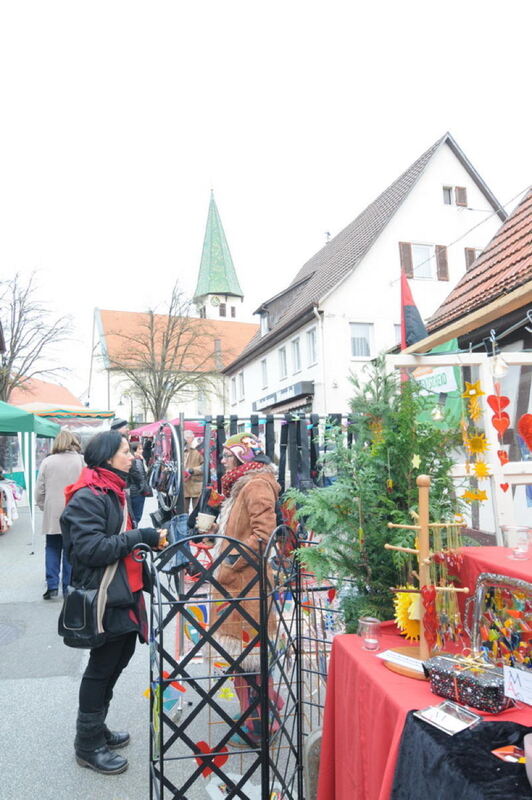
(217,275)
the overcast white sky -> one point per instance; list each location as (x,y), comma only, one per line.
(119,116)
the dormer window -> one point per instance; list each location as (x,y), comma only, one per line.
(264,324)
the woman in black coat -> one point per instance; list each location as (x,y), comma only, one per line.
(97,531)
(139,487)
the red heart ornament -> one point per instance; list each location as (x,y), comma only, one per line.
(218,760)
(524,427)
(497,402)
(500,422)
(503,456)
(504,486)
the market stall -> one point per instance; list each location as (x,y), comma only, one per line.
(28,430)
(84,422)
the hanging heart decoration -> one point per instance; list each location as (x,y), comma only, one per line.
(503,457)
(218,760)
(497,403)
(500,422)
(524,427)
(505,486)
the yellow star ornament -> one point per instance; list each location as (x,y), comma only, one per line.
(416,461)
(470,496)
(477,443)
(481,470)
(472,390)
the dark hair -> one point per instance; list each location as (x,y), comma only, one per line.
(102,447)
(134,447)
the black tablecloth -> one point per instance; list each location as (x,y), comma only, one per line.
(432,764)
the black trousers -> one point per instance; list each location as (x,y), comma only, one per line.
(103,670)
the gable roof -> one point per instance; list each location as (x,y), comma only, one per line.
(292,307)
(118,330)
(504,266)
(38,391)
(217,273)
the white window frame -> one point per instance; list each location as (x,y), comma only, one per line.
(426,262)
(263,324)
(283,363)
(312,348)
(241,390)
(233,390)
(366,328)
(447,193)
(296,355)
(397,333)
(264,372)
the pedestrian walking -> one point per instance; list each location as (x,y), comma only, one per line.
(97,532)
(61,468)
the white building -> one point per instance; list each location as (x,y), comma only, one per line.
(343,306)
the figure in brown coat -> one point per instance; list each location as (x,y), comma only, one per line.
(248,515)
(193,473)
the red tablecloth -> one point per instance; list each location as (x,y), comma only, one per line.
(491,559)
(365,711)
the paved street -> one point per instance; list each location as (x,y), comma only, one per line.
(39,680)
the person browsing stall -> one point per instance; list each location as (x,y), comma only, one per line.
(139,488)
(61,468)
(193,472)
(98,531)
(247,514)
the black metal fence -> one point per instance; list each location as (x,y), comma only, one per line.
(230,724)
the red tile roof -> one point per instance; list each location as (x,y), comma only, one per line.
(505,265)
(37,391)
(122,328)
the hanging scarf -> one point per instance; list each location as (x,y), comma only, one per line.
(231,477)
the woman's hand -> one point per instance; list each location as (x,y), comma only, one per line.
(163,541)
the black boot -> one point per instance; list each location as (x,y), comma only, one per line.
(91,748)
(114,739)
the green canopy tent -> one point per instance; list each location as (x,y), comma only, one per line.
(16,421)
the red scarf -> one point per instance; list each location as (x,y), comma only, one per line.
(100,480)
(231,477)
(96,479)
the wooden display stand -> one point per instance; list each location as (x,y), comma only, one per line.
(422,651)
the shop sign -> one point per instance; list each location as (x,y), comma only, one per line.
(284,394)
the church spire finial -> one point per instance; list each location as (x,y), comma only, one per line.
(217,275)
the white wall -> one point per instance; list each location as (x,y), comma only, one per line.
(254,388)
(371,294)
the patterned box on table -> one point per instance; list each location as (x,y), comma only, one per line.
(470,681)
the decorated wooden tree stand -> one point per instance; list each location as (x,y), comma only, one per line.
(428,619)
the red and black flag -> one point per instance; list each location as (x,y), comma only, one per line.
(412,326)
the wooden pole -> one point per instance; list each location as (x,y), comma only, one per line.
(423,484)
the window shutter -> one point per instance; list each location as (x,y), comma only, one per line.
(470,255)
(405,252)
(460,194)
(441,263)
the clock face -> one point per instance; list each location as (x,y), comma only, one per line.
(215,301)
